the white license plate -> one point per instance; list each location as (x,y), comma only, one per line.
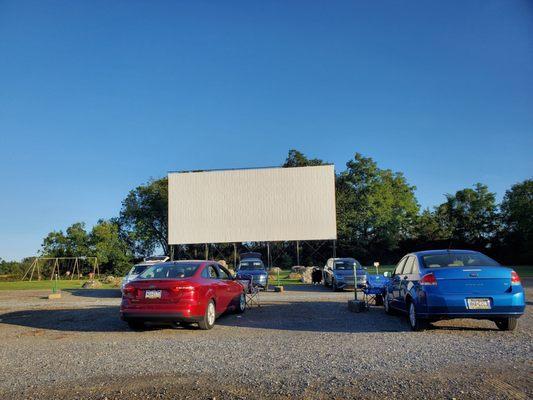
(478,304)
(152,294)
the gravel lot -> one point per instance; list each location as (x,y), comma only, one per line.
(300,344)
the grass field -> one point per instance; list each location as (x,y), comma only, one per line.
(525,271)
(46,285)
(284,275)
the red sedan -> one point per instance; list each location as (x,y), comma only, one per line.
(181,291)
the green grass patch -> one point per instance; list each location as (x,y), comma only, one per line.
(62,284)
(284,275)
(284,279)
(381,269)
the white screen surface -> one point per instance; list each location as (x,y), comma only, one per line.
(252,205)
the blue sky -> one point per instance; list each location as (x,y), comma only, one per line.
(96,97)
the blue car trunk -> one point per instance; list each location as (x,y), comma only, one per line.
(474,280)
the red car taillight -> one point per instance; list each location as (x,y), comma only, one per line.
(128,291)
(428,280)
(182,289)
(515,279)
(183,292)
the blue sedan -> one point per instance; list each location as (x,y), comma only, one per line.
(443,284)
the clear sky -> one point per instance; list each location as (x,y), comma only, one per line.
(96,97)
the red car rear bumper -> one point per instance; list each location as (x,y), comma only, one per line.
(186,312)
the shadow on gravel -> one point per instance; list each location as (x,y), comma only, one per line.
(97,319)
(322,316)
(315,316)
(308,316)
(95,293)
(303,316)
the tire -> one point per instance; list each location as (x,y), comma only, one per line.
(241,306)
(136,325)
(507,324)
(334,285)
(416,324)
(208,320)
(386,305)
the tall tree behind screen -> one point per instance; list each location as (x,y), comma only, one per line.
(144,217)
(517,218)
(376,209)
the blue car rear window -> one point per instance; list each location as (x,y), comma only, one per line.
(251,265)
(452,259)
(347,265)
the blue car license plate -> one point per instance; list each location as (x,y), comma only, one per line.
(478,304)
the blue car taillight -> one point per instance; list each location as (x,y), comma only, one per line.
(428,280)
(515,279)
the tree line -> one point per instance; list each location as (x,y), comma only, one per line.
(378,219)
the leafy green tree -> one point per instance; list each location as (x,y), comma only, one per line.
(112,251)
(73,243)
(471,215)
(296,158)
(14,269)
(517,218)
(376,209)
(429,228)
(144,217)
(55,245)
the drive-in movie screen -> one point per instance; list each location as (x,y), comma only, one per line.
(287,200)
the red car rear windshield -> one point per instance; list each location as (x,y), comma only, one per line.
(170,271)
(452,259)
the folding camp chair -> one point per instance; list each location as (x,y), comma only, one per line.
(251,291)
(374,290)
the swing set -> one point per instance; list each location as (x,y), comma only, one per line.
(68,266)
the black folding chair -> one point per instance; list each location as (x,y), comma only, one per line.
(251,291)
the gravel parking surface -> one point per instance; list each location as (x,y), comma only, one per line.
(300,344)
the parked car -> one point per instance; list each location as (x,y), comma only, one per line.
(138,269)
(251,266)
(443,284)
(338,273)
(181,291)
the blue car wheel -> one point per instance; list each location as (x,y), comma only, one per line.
(416,324)
(507,324)
(386,304)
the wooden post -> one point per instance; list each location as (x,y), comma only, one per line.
(53,269)
(297,252)
(32,267)
(206,252)
(74,267)
(235,256)
(268,256)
